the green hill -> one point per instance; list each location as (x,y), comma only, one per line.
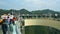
(24,11)
(45,11)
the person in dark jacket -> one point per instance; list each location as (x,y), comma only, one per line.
(4,24)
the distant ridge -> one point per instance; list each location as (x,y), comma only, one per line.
(24,11)
(46,11)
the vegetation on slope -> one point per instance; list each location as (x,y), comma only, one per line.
(41,30)
(24,11)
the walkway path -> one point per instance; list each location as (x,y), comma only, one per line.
(15,28)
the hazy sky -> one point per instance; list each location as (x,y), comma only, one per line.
(30,4)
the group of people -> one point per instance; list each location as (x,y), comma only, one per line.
(7,20)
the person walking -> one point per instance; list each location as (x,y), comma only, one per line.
(11,22)
(4,24)
(18,31)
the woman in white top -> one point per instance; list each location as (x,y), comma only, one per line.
(10,16)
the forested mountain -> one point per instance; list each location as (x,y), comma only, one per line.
(46,11)
(24,11)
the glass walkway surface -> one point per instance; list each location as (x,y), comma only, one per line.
(16,29)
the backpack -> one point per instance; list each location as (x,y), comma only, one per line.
(14,18)
(1,21)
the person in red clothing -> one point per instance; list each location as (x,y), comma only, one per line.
(14,19)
